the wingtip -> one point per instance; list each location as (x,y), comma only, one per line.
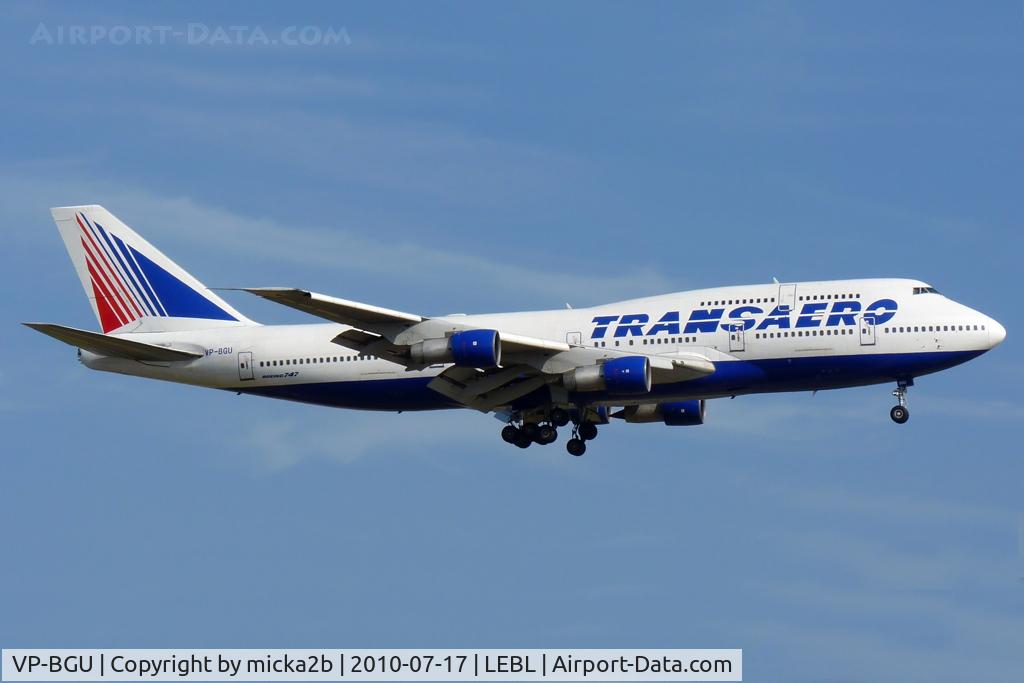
(268,292)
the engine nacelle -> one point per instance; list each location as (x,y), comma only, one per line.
(631,375)
(468,349)
(476,349)
(676,414)
(683,413)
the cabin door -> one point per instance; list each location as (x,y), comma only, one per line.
(244,365)
(787,297)
(866,323)
(736,337)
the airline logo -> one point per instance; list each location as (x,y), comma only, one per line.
(811,315)
(127,285)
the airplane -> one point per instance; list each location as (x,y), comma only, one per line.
(651,360)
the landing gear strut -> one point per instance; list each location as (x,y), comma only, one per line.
(899,413)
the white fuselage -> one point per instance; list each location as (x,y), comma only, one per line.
(762,338)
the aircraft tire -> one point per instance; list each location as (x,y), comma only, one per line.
(546,434)
(588,431)
(509,433)
(559,417)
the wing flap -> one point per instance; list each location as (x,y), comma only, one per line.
(486,391)
(665,370)
(109,345)
(372,344)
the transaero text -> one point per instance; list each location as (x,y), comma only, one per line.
(811,315)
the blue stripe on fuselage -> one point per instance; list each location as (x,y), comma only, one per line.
(730,378)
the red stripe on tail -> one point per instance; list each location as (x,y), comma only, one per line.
(112,277)
(109,320)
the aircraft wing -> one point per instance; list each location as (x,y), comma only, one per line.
(528,363)
(380,322)
(363,316)
(109,345)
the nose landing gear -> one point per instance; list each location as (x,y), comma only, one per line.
(900,413)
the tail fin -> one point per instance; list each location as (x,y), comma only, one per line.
(131,285)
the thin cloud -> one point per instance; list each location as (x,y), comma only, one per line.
(235,237)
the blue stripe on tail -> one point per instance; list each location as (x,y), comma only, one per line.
(178,299)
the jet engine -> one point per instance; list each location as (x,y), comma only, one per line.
(675,414)
(468,349)
(630,375)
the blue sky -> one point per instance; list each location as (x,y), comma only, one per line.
(471,158)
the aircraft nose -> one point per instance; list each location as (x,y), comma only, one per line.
(996,333)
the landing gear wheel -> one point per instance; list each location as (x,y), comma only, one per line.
(546,434)
(529,431)
(559,417)
(588,431)
(509,433)
(576,447)
(899,414)
(522,440)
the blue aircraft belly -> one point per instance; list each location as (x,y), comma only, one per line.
(818,372)
(730,377)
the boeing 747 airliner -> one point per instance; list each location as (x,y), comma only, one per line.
(656,359)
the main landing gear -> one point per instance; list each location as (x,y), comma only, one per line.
(529,433)
(899,413)
(581,434)
(525,433)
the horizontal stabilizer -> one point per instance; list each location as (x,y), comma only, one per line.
(108,345)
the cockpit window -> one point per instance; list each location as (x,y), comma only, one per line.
(925,290)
